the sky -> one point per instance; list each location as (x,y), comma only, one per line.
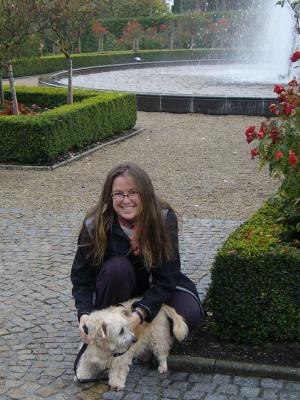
(170,2)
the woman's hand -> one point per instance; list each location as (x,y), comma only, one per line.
(136,318)
(83,322)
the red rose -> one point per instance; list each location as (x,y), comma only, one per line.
(261,134)
(278,155)
(287,108)
(278,89)
(250,130)
(274,134)
(273,108)
(282,96)
(295,56)
(251,134)
(292,158)
(293,82)
(254,152)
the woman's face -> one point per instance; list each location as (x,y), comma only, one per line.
(128,206)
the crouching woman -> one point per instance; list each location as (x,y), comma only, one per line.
(128,247)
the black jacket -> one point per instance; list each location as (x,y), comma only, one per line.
(155,286)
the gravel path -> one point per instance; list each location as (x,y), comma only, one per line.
(200,163)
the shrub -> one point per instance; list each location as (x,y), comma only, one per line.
(47,97)
(41,138)
(279,146)
(255,290)
(45,65)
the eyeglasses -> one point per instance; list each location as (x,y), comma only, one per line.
(132,195)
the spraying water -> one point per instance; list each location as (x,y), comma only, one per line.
(265,61)
(276,40)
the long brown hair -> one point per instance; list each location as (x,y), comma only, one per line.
(153,237)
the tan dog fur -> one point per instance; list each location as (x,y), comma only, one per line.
(109,334)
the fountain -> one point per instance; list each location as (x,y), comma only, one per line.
(210,86)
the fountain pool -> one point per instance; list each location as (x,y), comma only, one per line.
(206,86)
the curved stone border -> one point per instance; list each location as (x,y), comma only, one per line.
(68,161)
(219,105)
(213,366)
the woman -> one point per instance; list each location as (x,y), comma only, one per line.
(128,247)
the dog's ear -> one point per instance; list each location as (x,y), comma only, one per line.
(103,329)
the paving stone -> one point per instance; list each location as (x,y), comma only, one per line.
(180,376)
(182,386)
(39,334)
(147,389)
(172,394)
(227,389)
(250,391)
(149,381)
(46,392)
(133,396)
(153,397)
(288,396)
(200,378)
(270,393)
(221,379)
(246,381)
(191,395)
(204,387)
(215,397)
(165,383)
(293,387)
(272,383)
(113,395)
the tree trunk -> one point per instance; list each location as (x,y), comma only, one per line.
(171,40)
(102,42)
(193,41)
(99,44)
(53,48)
(70,86)
(1,89)
(79,44)
(12,89)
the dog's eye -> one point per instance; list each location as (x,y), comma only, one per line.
(121,331)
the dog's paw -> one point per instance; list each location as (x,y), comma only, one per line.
(162,368)
(116,388)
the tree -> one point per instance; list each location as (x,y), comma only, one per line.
(132,32)
(130,8)
(193,24)
(16,24)
(294,5)
(63,21)
(99,31)
(212,5)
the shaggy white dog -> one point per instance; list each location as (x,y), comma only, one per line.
(113,346)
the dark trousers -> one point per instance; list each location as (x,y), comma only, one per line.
(116,282)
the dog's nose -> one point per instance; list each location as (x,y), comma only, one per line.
(134,339)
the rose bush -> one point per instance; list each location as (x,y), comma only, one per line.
(31,110)
(278,144)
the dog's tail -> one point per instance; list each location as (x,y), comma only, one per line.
(180,328)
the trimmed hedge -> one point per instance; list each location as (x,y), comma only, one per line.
(45,65)
(255,289)
(46,97)
(39,139)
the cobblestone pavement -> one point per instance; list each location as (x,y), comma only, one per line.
(38,331)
